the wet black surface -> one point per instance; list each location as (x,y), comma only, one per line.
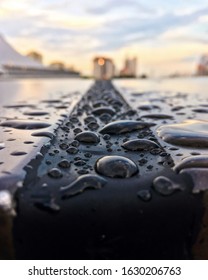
(95,194)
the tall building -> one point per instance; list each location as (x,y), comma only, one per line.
(104,68)
(130,68)
(202,68)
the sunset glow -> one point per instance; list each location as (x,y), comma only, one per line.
(166,36)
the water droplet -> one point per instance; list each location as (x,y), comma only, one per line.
(105,117)
(165,186)
(81,184)
(104,110)
(90,119)
(93,125)
(24,124)
(51,101)
(55,173)
(193,133)
(2,145)
(123,126)
(49,206)
(200,110)
(88,155)
(99,103)
(35,113)
(87,137)
(116,167)
(64,163)
(75,143)
(63,146)
(43,134)
(28,142)
(82,171)
(72,150)
(157,116)
(199,178)
(18,153)
(140,145)
(80,162)
(20,106)
(192,161)
(147,107)
(177,108)
(77,130)
(74,119)
(106,137)
(144,195)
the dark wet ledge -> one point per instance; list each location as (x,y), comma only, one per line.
(103,188)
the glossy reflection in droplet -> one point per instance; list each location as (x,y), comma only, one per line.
(193,133)
(64,163)
(43,134)
(123,126)
(104,110)
(144,195)
(87,137)
(192,161)
(18,153)
(81,184)
(55,173)
(116,167)
(165,186)
(139,145)
(25,124)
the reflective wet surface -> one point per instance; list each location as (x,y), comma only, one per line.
(107,169)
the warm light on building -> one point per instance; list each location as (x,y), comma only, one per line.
(104,68)
(202,68)
(101,61)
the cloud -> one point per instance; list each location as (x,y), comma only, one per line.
(109,6)
(121,32)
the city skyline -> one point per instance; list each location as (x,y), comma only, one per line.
(166,37)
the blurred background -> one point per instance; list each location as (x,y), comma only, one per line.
(133,38)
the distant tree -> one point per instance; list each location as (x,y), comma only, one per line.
(35,56)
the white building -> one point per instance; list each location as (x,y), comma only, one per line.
(11,59)
(13,63)
(104,68)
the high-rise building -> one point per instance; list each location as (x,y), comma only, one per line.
(130,68)
(202,68)
(104,68)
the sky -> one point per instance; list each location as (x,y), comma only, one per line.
(167,36)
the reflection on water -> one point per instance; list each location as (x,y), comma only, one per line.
(197,85)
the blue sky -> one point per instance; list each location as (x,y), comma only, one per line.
(166,36)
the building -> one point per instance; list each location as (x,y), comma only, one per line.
(57,65)
(104,68)
(35,56)
(202,67)
(13,63)
(130,68)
